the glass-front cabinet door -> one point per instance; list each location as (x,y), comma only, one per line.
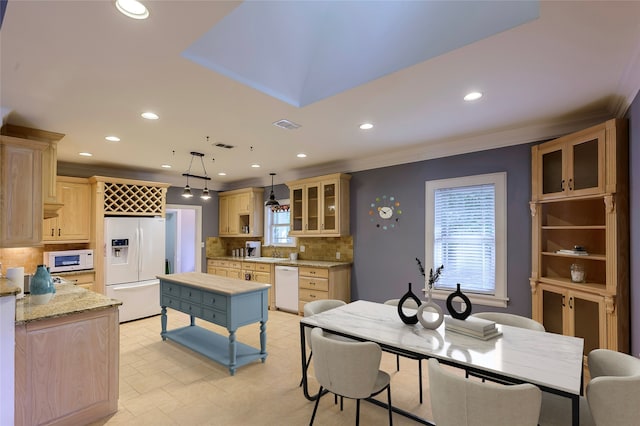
(586,164)
(297,221)
(572,167)
(313,208)
(574,313)
(329,206)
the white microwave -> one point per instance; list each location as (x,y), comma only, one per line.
(69,260)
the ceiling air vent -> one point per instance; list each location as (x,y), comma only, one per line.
(286,124)
(224,145)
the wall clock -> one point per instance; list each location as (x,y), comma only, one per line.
(385,212)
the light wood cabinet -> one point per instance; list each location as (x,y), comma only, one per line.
(243,270)
(21,192)
(241,213)
(323,283)
(84,280)
(49,161)
(73,221)
(596,309)
(579,164)
(320,206)
(66,368)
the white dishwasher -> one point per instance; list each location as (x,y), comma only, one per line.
(287,288)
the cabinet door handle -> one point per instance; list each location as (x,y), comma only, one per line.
(563,305)
(59,229)
(53,232)
(570,184)
(571,303)
(562,185)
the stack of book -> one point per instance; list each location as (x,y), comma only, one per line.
(473,327)
(574,251)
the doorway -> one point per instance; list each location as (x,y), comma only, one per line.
(183,238)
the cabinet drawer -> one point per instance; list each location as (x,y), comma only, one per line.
(216,301)
(190,308)
(262,277)
(191,294)
(235,273)
(221,272)
(216,317)
(170,301)
(314,272)
(170,289)
(234,264)
(248,266)
(321,284)
(82,278)
(311,295)
(262,267)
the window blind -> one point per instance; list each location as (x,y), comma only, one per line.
(465,237)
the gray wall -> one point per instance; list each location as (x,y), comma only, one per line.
(634,209)
(384,261)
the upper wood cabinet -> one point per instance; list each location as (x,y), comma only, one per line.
(320,206)
(20,192)
(579,164)
(73,221)
(241,213)
(49,162)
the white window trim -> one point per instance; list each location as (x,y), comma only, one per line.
(267,226)
(500,298)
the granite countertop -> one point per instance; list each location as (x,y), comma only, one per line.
(70,273)
(284,261)
(7,288)
(69,299)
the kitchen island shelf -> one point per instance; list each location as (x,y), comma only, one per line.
(213,346)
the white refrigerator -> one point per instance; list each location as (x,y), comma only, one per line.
(134,256)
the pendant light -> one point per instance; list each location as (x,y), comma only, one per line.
(186,193)
(272,198)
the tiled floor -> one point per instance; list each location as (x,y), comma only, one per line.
(163,383)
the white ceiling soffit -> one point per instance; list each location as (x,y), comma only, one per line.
(303,51)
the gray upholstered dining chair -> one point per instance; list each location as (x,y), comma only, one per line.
(316,307)
(348,369)
(511,320)
(412,305)
(457,401)
(613,393)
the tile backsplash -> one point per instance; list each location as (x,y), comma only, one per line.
(31,257)
(315,248)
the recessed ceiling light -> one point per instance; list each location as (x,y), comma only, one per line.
(149,115)
(473,96)
(166,166)
(222,174)
(301,155)
(132,8)
(112,138)
(366,126)
(85,154)
(255,165)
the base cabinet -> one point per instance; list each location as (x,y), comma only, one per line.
(574,313)
(249,271)
(323,283)
(59,385)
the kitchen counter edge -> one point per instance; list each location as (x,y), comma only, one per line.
(285,261)
(7,288)
(68,300)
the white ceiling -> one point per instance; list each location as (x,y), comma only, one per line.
(83,69)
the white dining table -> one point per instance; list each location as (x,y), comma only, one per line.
(553,362)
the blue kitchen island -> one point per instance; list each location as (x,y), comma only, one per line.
(227,302)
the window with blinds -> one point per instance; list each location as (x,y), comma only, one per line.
(466,232)
(464,237)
